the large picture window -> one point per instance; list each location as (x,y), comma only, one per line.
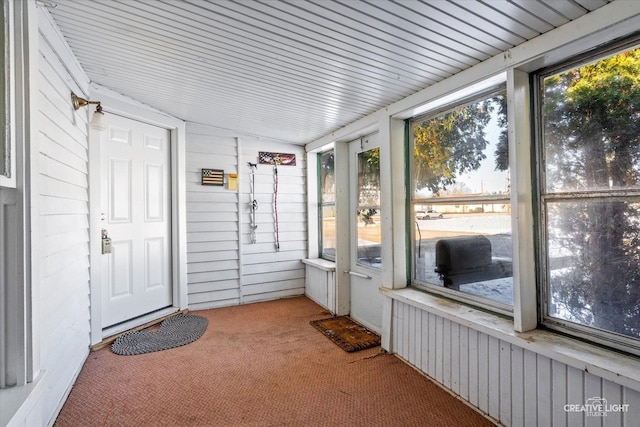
(461,201)
(327,208)
(589,173)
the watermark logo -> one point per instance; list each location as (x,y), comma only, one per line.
(596,407)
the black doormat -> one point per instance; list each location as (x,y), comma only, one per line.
(174,332)
(346,333)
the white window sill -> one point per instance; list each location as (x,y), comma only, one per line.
(16,403)
(610,365)
(320,263)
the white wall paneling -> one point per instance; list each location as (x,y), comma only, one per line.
(509,383)
(268,273)
(320,282)
(56,226)
(213,265)
(64,225)
(224,268)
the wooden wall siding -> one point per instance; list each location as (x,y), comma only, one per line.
(224,268)
(60,175)
(213,269)
(512,385)
(319,286)
(267,273)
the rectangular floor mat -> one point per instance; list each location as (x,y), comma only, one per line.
(346,333)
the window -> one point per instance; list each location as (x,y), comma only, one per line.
(589,182)
(368,238)
(461,211)
(327,208)
(7,141)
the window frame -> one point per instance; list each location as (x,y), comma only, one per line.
(466,298)
(543,199)
(7,135)
(322,205)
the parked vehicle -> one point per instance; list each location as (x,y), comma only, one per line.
(428,214)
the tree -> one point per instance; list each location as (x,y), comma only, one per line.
(592,143)
(502,150)
(369,177)
(453,143)
(327,173)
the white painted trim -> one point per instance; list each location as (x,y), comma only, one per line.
(31,212)
(387,209)
(320,263)
(386,336)
(18,291)
(342,303)
(398,203)
(147,318)
(313,250)
(240,227)
(65,396)
(525,315)
(612,366)
(78,80)
(19,402)
(13,39)
(95,250)
(355,130)
(115,103)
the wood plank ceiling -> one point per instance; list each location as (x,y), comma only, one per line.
(292,70)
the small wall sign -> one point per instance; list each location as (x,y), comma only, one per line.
(232,182)
(277,159)
(212,177)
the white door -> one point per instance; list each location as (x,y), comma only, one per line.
(135,206)
(366,232)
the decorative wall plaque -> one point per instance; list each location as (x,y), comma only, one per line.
(277,159)
(212,177)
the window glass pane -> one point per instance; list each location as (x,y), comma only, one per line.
(593,260)
(327,190)
(466,247)
(591,125)
(461,206)
(4,104)
(368,218)
(327,178)
(328,232)
(590,198)
(463,152)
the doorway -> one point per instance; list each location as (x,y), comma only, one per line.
(365,232)
(135,216)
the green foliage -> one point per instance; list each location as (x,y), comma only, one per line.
(453,143)
(369,175)
(502,150)
(592,142)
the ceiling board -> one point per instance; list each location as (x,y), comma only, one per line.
(292,70)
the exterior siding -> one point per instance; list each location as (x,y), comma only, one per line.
(267,273)
(513,385)
(224,268)
(213,274)
(62,218)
